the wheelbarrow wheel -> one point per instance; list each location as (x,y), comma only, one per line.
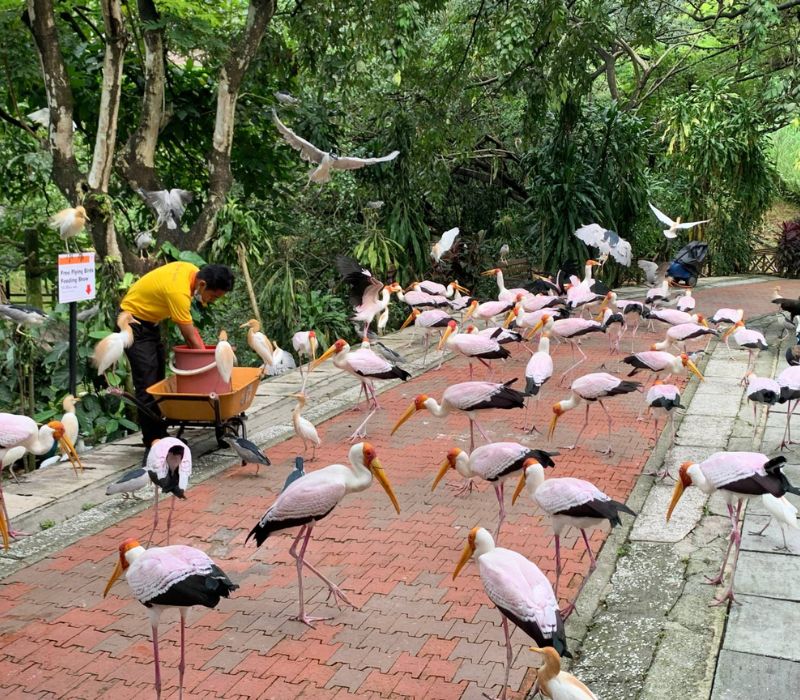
(220,434)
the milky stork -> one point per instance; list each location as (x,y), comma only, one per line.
(468,398)
(366,366)
(738,476)
(169,465)
(591,387)
(310,498)
(570,502)
(679,335)
(663,398)
(21,431)
(170,577)
(495,463)
(368,295)
(504,294)
(520,591)
(305,344)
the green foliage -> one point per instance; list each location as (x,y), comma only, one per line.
(47,524)
(786,152)
(789,249)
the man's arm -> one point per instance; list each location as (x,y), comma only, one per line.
(191,335)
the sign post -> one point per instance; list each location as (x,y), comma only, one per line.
(76,282)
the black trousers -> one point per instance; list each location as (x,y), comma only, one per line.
(147,357)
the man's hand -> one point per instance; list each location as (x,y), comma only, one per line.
(191,335)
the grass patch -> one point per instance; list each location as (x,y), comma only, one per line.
(47,524)
(88,506)
(786,151)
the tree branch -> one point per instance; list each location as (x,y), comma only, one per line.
(230,80)
(138,157)
(40,19)
(738,12)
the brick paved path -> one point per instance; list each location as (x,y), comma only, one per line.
(416,633)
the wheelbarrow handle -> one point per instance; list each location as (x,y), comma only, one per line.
(131,399)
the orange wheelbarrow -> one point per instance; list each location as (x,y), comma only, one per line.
(224,412)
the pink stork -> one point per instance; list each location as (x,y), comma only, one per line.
(437,289)
(738,476)
(657,361)
(746,338)
(366,366)
(21,431)
(170,577)
(537,302)
(687,302)
(570,502)
(495,463)
(569,329)
(520,591)
(368,295)
(537,373)
(472,345)
(674,317)
(489,310)
(429,322)
(679,335)
(789,382)
(591,387)
(309,499)
(169,465)
(468,398)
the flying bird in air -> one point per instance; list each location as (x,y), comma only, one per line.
(608,242)
(325,160)
(444,244)
(674,226)
(169,205)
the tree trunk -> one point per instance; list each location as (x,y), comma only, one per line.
(33,270)
(230,81)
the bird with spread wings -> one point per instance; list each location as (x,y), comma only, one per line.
(608,242)
(169,205)
(325,160)
(674,226)
(444,244)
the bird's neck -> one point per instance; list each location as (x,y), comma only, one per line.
(434,408)
(462,465)
(544,344)
(385,296)
(501,283)
(587,274)
(133,554)
(360,478)
(698,478)
(547,672)
(483,544)
(570,403)
(43,442)
(534,478)
(340,359)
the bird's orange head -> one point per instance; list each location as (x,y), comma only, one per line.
(368,451)
(122,563)
(473,305)
(449,463)
(411,318)
(683,481)
(558,411)
(702,320)
(312,334)
(393,288)
(469,550)
(58,429)
(417,405)
(686,361)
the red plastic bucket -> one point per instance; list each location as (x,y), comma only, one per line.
(187,358)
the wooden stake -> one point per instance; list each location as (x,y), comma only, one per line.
(250,291)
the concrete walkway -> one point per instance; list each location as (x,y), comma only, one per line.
(654,635)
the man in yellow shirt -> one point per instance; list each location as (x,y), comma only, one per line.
(161,294)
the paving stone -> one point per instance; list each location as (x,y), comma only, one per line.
(651,524)
(743,675)
(765,624)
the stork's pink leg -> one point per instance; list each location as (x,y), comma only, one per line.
(509,657)
(787,433)
(361,431)
(156,660)
(580,432)
(755,419)
(155,515)
(182,664)
(734,517)
(558,563)
(301,616)
(566,612)
(737,540)
(481,431)
(574,346)
(374,395)
(606,451)
(169,517)
(498,491)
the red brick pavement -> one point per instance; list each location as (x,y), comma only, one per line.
(416,633)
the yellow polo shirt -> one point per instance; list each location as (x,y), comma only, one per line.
(162,293)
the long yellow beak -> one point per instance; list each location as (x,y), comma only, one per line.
(380,475)
(676,496)
(487,273)
(693,369)
(469,550)
(245,325)
(509,318)
(411,287)
(727,332)
(537,328)
(442,471)
(69,449)
(408,321)
(703,322)
(459,288)
(518,490)
(117,573)
(470,310)
(552,429)
(448,332)
(410,411)
(4,530)
(325,355)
